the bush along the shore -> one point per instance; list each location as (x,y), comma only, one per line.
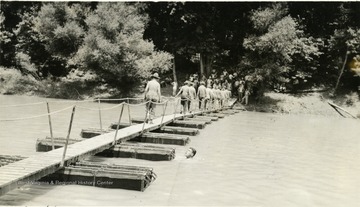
(76,85)
(13,82)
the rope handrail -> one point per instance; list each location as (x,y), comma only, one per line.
(90,100)
(118,99)
(37,116)
(17,105)
(42,102)
(103,109)
(71,101)
(175,99)
(139,104)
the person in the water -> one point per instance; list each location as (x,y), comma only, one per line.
(190,153)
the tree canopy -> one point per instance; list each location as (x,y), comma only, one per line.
(299,44)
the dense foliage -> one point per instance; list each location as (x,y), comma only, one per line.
(297,45)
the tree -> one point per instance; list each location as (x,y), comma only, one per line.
(5,36)
(344,41)
(11,16)
(114,47)
(208,34)
(276,45)
(60,28)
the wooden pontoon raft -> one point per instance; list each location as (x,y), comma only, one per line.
(93,132)
(188,124)
(163,138)
(198,118)
(125,149)
(121,125)
(140,151)
(103,175)
(178,130)
(218,115)
(136,120)
(45,145)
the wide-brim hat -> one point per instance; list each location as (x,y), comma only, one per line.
(202,83)
(155,75)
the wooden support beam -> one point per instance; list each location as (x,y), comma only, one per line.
(103,175)
(164,138)
(92,132)
(178,130)
(140,151)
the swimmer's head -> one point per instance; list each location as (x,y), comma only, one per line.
(190,153)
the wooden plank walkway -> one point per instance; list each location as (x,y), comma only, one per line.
(35,167)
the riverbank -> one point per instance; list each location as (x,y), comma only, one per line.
(306,103)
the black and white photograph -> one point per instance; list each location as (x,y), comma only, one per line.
(180,103)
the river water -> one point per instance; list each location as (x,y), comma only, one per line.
(246,159)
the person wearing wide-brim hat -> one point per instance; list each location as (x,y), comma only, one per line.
(152,94)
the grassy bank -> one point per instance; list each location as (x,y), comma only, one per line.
(306,103)
(14,82)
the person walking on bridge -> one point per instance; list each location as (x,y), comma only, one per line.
(192,92)
(201,95)
(152,95)
(184,93)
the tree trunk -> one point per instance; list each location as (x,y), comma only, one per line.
(209,61)
(174,69)
(175,83)
(202,64)
(341,72)
(205,64)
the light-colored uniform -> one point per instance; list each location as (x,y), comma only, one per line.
(152,94)
(202,96)
(192,92)
(201,92)
(152,91)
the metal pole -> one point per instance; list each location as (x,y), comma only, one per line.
(128,102)
(177,102)
(118,125)
(146,114)
(67,137)
(100,115)
(163,113)
(50,125)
